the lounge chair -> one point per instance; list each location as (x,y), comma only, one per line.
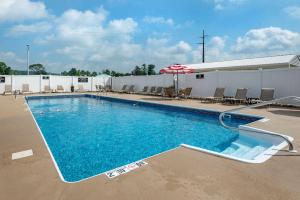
(240,96)
(218,96)
(266,94)
(80,89)
(100,88)
(25,89)
(60,88)
(159,91)
(145,90)
(152,90)
(130,89)
(7,90)
(47,89)
(169,92)
(107,88)
(185,93)
(123,90)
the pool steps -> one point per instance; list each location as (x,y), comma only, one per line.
(242,150)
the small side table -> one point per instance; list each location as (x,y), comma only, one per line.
(17,92)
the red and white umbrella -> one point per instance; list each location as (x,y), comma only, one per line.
(176,69)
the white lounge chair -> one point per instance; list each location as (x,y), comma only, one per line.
(7,89)
(25,89)
(80,89)
(60,88)
(47,89)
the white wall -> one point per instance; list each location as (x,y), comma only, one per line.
(285,81)
(37,83)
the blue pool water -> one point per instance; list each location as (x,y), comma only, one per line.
(88,136)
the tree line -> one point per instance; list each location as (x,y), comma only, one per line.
(39,69)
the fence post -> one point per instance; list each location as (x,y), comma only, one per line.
(40,83)
(11,82)
(91,84)
(261,77)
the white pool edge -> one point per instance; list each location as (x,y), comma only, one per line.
(262,157)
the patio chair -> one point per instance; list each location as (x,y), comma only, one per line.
(123,90)
(60,88)
(145,90)
(98,88)
(266,94)
(130,89)
(25,89)
(218,96)
(107,88)
(159,91)
(152,90)
(47,89)
(7,90)
(80,89)
(185,93)
(240,96)
(169,92)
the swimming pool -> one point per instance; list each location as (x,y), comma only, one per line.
(88,135)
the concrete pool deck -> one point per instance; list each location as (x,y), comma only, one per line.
(178,174)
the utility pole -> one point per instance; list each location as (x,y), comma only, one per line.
(203,45)
(28,48)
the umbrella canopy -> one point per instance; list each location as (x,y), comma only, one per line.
(176,69)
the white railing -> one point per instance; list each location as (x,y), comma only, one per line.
(284,99)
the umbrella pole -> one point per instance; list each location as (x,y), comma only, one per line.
(177,85)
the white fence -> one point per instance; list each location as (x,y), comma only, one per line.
(37,83)
(286,82)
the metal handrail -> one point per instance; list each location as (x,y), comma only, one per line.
(290,144)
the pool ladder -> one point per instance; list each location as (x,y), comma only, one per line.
(228,112)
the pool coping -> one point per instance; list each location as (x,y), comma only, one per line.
(27,97)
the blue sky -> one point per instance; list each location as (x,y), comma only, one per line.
(119,34)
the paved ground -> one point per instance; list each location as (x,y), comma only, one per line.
(178,174)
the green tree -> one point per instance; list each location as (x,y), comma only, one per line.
(144,69)
(37,69)
(151,70)
(106,71)
(94,74)
(73,72)
(137,71)
(4,69)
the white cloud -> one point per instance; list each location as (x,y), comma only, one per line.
(11,59)
(21,29)
(268,40)
(215,50)
(87,37)
(293,11)
(19,10)
(125,26)
(158,20)
(222,4)
(7,55)
(162,53)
